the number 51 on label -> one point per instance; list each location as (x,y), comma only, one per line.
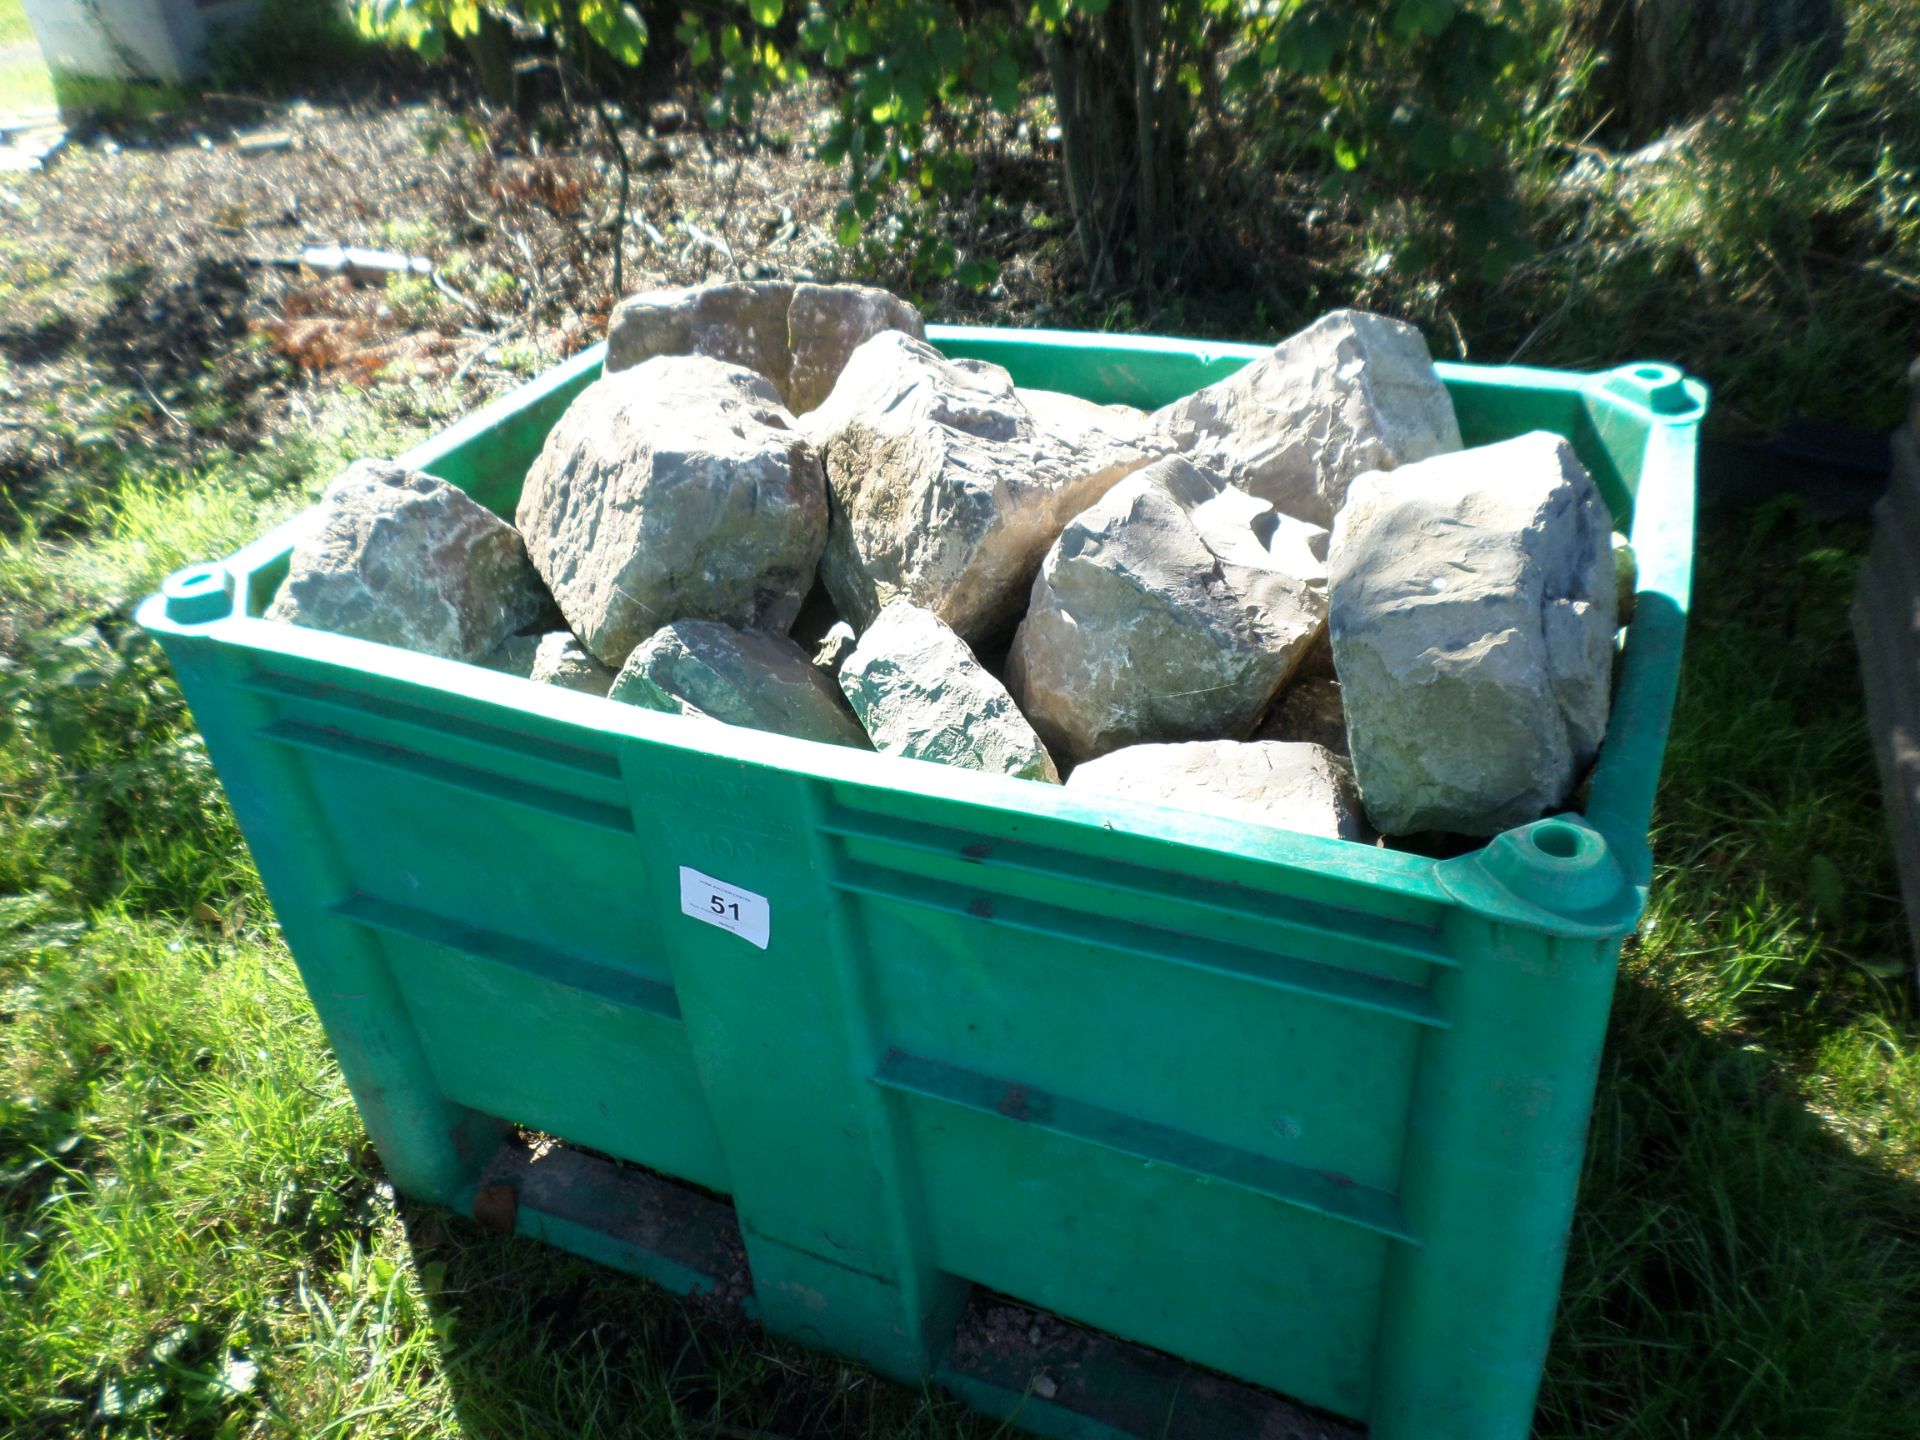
(737,911)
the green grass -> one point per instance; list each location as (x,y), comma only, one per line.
(24,83)
(196,1242)
(14,29)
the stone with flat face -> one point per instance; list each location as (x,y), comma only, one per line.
(1472,607)
(560,659)
(1310,710)
(400,557)
(1160,614)
(741,322)
(677,490)
(1300,787)
(825,325)
(920,692)
(1352,392)
(798,336)
(947,487)
(740,677)
(555,658)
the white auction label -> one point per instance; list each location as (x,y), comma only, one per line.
(739,912)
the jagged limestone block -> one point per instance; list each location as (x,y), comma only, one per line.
(677,490)
(1160,614)
(920,692)
(740,677)
(1472,613)
(947,489)
(403,558)
(1352,392)
(1291,786)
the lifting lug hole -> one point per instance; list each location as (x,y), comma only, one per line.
(1561,842)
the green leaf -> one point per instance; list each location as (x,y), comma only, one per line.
(949,47)
(1003,84)
(766,13)
(847,229)
(977,274)
(617,29)
(134,1396)
(1827,890)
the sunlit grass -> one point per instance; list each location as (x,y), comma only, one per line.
(194,1240)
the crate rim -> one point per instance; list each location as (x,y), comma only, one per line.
(1516,877)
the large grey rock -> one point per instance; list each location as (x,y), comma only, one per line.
(1309,710)
(675,490)
(1154,619)
(1352,392)
(1087,422)
(408,560)
(741,677)
(555,658)
(796,336)
(921,693)
(1472,612)
(741,322)
(826,324)
(1626,578)
(1290,786)
(946,488)
(560,659)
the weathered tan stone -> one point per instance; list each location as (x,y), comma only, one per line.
(741,322)
(826,324)
(555,658)
(675,490)
(1145,626)
(405,559)
(834,647)
(797,336)
(946,488)
(562,660)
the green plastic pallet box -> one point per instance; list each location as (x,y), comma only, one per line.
(1306,1113)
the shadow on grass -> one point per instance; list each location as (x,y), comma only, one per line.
(45,339)
(1745,1260)
(539,1342)
(1735,1269)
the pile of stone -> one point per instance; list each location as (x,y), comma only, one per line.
(1291,598)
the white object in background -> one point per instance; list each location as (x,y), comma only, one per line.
(134,39)
(363,267)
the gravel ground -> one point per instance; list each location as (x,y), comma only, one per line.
(150,278)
